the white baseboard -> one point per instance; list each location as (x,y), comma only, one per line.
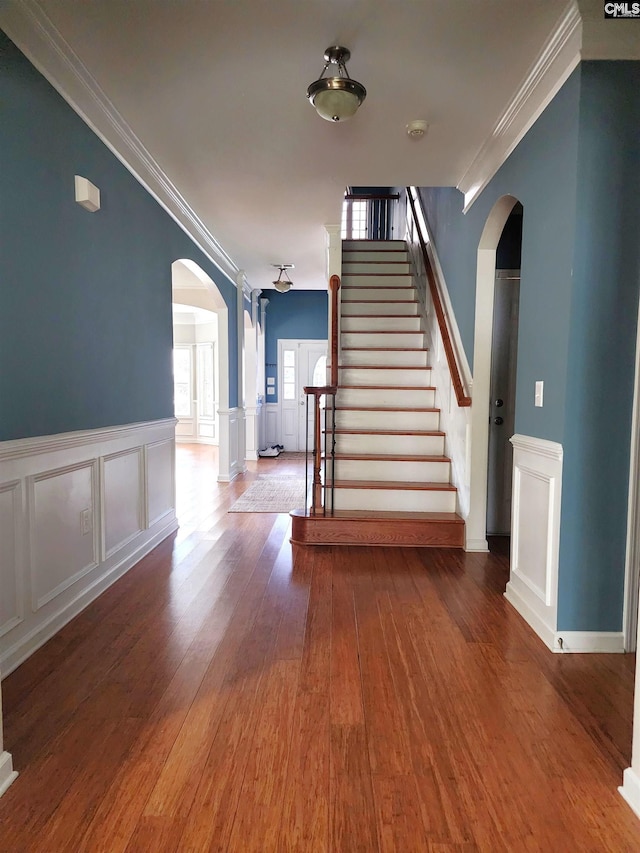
(7,773)
(605,642)
(479,545)
(529,615)
(630,789)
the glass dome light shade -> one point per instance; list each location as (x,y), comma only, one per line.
(336,98)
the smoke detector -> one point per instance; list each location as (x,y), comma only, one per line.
(417,129)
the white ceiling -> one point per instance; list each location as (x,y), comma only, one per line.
(215,91)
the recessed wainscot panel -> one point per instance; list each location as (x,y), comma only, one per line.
(160,486)
(10,509)
(123,507)
(63,540)
(535,494)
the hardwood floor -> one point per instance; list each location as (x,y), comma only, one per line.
(362,699)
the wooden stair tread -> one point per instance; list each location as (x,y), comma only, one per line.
(383,457)
(384,367)
(380,332)
(391,485)
(372,515)
(391,387)
(381,316)
(384,409)
(344,263)
(407,274)
(351,431)
(384,349)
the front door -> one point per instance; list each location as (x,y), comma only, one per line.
(300,363)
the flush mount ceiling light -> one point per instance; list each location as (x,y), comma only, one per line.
(336,98)
(282,285)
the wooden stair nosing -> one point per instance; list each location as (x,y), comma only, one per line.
(434,433)
(385,349)
(380,316)
(391,387)
(384,367)
(412,409)
(381,457)
(391,485)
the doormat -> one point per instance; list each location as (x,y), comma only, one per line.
(271,494)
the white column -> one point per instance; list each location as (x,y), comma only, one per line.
(7,773)
(251,403)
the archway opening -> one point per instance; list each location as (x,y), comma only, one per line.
(476,525)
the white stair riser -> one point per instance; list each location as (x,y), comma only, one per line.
(395,500)
(366,245)
(361,282)
(379,267)
(405,358)
(376,324)
(348,257)
(383,376)
(380,469)
(394,445)
(395,397)
(383,292)
(354,306)
(377,340)
(353,419)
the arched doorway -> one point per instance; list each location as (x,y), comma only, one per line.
(476,525)
(191,286)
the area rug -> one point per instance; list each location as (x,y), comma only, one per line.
(272,494)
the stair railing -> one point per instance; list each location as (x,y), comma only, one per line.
(462,397)
(324,400)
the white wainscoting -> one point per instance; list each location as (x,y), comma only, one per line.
(535,533)
(77,510)
(231,460)
(272,426)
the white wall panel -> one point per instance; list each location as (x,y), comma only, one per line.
(62,549)
(10,556)
(535,533)
(53,559)
(160,480)
(122,498)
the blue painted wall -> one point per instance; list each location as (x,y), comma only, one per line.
(85,298)
(600,370)
(298,314)
(577,175)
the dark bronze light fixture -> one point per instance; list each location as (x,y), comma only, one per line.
(282,285)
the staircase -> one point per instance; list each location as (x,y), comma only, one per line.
(391,481)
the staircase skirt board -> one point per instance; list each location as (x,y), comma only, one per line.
(418,530)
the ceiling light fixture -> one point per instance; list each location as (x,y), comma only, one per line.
(336,98)
(282,285)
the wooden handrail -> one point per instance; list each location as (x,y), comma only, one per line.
(334,287)
(454,369)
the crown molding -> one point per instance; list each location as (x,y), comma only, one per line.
(555,62)
(28,25)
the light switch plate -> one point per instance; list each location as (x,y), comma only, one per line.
(539,393)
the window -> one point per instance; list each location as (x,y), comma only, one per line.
(289,374)
(182,381)
(206,386)
(354,219)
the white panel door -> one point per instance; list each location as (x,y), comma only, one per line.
(300,363)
